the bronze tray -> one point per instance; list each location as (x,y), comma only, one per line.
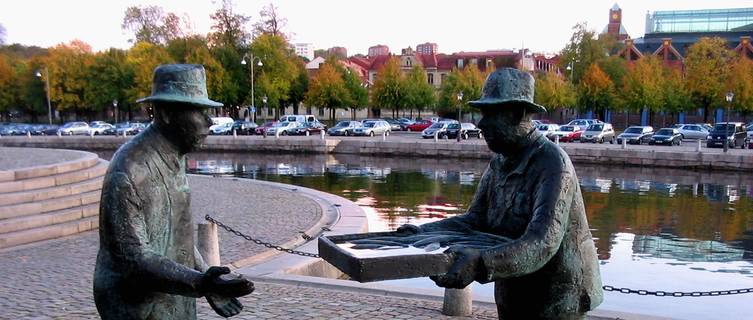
(386,267)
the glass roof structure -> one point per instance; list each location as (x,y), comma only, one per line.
(712,20)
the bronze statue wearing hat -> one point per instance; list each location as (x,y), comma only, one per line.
(528,193)
(147,265)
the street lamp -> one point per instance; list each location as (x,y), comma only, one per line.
(115,105)
(243,62)
(729,97)
(47,84)
(460,100)
(571,68)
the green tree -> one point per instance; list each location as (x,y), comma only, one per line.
(217,78)
(596,90)
(707,68)
(583,50)
(229,28)
(420,94)
(299,86)
(68,65)
(358,94)
(675,97)
(275,78)
(31,88)
(108,79)
(642,86)
(143,58)
(469,81)
(151,24)
(552,91)
(741,84)
(389,87)
(328,90)
(8,82)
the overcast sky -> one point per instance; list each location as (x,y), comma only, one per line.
(466,25)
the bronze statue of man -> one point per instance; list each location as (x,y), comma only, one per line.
(530,194)
(147,265)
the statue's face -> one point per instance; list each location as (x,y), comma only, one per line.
(186,126)
(501,128)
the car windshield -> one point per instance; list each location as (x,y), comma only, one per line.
(567,128)
(543,127)
(437,125)
(633,130)
(468,126)
(664,132)
(595,127)
(69,125)
(281,124)
(721,128)
(369,124)
(343,124)
(453,126)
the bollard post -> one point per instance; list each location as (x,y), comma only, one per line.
(59,134)
(208,243)
(308,133)
(235,134)
(91,134)
(125,133)
(458,302)
(264,133)
(28,134)
(624,143)
(698,147)
(277,134)
(557,139)
(384,136)
(436,136)
(321,134)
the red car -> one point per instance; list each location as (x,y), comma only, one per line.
(260,130)
(568,133)
(419,125)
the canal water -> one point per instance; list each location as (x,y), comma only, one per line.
(654,229)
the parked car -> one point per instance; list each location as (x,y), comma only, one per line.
(243,127)
(373,128)
(50,129)
(693,131)
(438,128)
(466,130)
(300,118)
(306,129)
(583,123)
(749,128)
(404,123)
(668,136)
(98,128)
(568,133)
(344,128)
(127,128)
(636,134)
(598,132)
(262,129)
(547,129)
(39,129)
(394,124)
(732,133)
(221,120)
(281,127)
(224,128)
(96,123)
(419,125)
(72,128)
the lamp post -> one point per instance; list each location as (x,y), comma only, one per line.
(460,100)
(243,62)
(729,97)
(571,68)
(47,84)
(264,100)
(115,105)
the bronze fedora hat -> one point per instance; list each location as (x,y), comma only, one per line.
(186,83)
(508,85)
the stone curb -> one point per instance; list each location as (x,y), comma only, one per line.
(86,160)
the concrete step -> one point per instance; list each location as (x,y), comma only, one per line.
(95,171)
(49,205)
(87,160)
(51,192)
(48,219)
(50,232)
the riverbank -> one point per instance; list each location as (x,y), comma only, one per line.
(688,156)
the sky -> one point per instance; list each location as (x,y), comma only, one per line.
(467,25)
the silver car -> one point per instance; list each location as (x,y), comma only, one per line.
(282,127)
(344,128)
(636,134)
(438,128)
(373,128)
(72,128)
(692,131)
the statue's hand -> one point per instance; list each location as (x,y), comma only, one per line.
(464,271)
(409,229)
(212,283)
(224,306)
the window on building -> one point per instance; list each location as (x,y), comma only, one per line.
(321,112)
(460,63)
(474,61)
(430,77)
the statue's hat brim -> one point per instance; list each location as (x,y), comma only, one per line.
(203,102)
(486,102)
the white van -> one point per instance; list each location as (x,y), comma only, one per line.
(218,122)
(300,118)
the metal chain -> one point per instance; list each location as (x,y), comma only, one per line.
(678,293)
(259,242)
(606,288)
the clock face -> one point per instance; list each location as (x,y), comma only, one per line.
(615,16)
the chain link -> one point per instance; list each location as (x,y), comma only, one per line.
(657,293)
(678,293)
(259,242)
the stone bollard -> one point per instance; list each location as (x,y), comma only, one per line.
(277,134)
(321,134)
(458,302)
(59,134)
(557,139)
(28,134)
(264,133)
(624,143)
(125,133)
(208,243)
(235,134)
(91,134)
(436,136)
(384,136)
(698,146)
(308,133)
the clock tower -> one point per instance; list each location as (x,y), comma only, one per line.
(615,28)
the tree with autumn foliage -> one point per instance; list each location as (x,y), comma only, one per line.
(68,66)
(707,70)
(419,93)
(389,87)
(596,91)
(552,91)
(642,86)
(144,57)
(8,83)
(469,81)
(275,78)
(328,90)
(109,78)
(741,84)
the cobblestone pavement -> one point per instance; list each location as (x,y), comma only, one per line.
(53,279)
